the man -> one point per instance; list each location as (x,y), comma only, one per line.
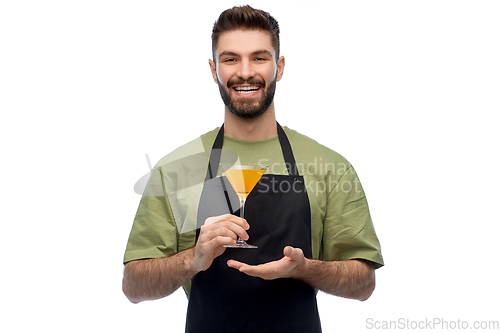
(311,222)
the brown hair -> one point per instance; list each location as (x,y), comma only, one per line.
(246,17)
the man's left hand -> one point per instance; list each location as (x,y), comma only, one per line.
(287,267)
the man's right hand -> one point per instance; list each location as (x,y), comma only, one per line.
(150,279)
(214,234)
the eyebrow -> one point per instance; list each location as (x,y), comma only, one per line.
(262,52)
(229,53)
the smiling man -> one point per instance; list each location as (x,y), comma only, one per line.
(246,77)
(312,225)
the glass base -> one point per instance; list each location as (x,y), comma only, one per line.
(241,244)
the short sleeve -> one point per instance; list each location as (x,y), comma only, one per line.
(348,229)
(154,233)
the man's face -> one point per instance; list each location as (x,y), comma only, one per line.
(246,71)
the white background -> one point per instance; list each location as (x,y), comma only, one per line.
(407,91)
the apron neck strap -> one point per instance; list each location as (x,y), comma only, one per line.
(286,148)
(213,163)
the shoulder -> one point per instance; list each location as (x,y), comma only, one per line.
(192,149)
(308,150)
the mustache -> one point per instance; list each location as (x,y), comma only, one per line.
(235,82)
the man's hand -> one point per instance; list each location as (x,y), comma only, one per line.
(150,279)
(350,279)
(214,234)
(287,267)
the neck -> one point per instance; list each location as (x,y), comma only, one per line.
(260,128)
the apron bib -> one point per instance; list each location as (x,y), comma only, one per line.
(222,299)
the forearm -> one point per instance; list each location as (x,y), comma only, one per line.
(151,279)
(350,279)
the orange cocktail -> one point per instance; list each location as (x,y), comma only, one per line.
(243,178)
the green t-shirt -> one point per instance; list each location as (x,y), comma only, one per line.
(341,226)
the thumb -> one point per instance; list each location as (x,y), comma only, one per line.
(292,253)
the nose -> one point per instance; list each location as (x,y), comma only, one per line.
(246,70)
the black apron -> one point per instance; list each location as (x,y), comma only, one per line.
(222,299)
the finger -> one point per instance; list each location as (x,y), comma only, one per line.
(224,228)
(270,270)
(228,228)
(228,217)
(214,247)
(255,271)
(293,253)
(263,271)
(233,223)
(207,234)
(235,264)
(237,220)
(218,242)
(214,219)
(238,229)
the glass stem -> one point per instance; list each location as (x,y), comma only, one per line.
(242,207)
(242,215)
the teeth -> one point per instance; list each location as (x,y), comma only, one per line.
(246,90)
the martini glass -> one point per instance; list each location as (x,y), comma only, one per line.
(243,178)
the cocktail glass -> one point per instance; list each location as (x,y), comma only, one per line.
(243,178)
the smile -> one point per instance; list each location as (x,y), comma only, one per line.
(246,90)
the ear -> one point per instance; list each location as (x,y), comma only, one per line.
(281,68)
(213,70)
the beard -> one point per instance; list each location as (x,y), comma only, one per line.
(248,108)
